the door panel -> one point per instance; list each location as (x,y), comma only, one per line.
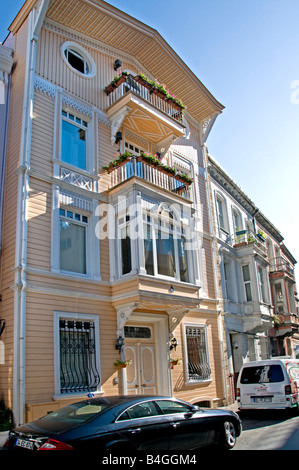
(141,376)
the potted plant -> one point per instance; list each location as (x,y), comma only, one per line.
(174,361)
(121,160)
(261,235)
(122,364)
(116,82)
(183,178)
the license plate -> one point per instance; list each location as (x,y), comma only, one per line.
(25,444)
(262,399)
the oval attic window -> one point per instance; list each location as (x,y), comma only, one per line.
(78,59)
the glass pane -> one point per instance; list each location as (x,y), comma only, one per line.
(148,250)
(170,407)
(165,255)
(183,259)
(246,274)
(72,247)
(73,145)
(248,292)
(126,251)
(262,374)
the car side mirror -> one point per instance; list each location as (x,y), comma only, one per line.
(194,408)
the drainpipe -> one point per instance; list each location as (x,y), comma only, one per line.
(220,317)
(35,21)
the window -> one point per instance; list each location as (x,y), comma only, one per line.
(165,243)
(170,407)
(124,233)
(73,227)
(73,140)
(236,220)
(78,59)
(261,281)
(247,283)
(228,280)
(221,213)
(78,339)
(197,368)
(262,374)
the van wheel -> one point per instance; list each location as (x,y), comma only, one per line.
(228,436)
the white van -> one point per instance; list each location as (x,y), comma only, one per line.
(269,384)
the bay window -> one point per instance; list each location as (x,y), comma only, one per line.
(165,251)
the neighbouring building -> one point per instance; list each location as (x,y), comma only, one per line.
(257,277)
(107,245)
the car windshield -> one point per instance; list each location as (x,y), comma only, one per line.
(262,374)
(77,413)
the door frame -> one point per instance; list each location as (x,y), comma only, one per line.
(161,342)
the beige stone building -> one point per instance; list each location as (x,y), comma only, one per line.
(107,251)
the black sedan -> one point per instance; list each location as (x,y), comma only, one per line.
(125,424)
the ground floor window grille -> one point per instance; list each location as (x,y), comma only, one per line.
(78,368)
(198,364)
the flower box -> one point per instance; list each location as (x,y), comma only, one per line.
(116,82)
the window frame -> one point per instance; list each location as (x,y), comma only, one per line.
(80,224)
(157,223)
(203,327)
(58,315)
(82,53)
(247,282)
(65,117)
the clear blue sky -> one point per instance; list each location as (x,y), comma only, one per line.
(246,52)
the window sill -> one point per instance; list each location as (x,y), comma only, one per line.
(198,382)
(76,396)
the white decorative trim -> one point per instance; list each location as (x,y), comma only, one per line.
(48,88)
(69,198)
(102,118)
(76,179)
(81,108)
(45,87)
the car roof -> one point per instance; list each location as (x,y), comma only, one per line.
(124,399)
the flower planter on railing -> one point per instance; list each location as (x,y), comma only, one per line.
(151,160)
(116,82)
(122,364)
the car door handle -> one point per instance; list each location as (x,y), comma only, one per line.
(175,425)
(134,431)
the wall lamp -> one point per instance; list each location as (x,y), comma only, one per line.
(119,137)
(119,343)
(173,344)
(117,64)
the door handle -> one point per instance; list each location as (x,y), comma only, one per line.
(175,425)
(134,431)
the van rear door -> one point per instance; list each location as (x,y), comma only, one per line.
(262,386)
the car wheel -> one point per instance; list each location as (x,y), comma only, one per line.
(228,437)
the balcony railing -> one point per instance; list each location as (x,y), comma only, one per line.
(151,175)
(150,95)
(247,237)
(281,265)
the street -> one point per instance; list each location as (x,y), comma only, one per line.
(269,430)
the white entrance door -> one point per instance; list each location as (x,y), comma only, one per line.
(141,375)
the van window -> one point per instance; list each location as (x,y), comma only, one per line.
(262,374)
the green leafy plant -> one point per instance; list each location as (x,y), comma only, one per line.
(119,363)
(6,417)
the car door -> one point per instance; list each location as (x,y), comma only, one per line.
(144,427)
(189,429)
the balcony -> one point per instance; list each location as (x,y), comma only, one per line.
(248,238)
(142,108)
(149,169)
(280,266)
